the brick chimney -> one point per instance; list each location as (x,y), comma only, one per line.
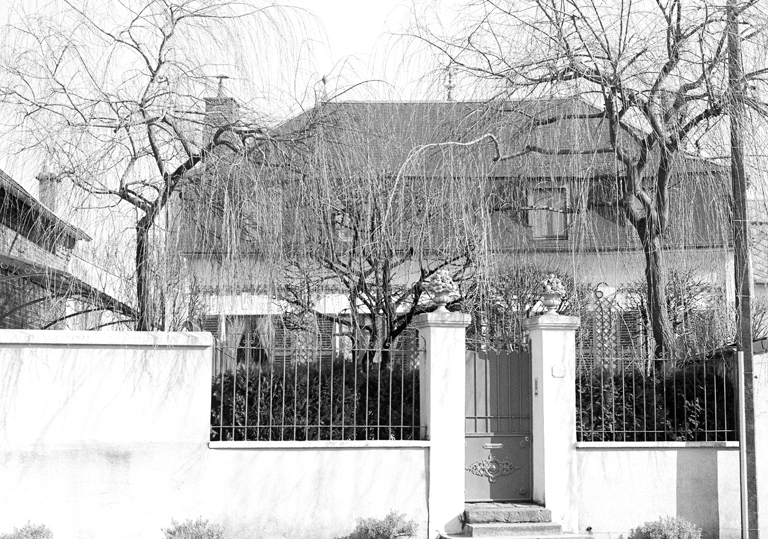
(49,190)
(219,111)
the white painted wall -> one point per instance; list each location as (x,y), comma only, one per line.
(106,435)
(622,485)
(760,387)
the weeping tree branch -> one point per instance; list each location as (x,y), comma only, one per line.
(662,69)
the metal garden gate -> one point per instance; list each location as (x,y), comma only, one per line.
(498,458)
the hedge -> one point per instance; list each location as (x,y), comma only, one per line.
(691,402)
(312,402)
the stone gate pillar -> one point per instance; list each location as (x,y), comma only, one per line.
(442,386)
(553,415)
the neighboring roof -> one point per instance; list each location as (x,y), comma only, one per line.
(21,194)
(63,284)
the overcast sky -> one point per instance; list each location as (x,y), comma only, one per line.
(352,44)
(354,28)
(362,41)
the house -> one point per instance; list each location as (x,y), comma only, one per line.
(36,256)
(551,203)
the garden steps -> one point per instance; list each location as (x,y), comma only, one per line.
(513,529)
(511,521)
(563,535)
(479,513)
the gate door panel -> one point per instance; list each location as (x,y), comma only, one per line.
(498,458)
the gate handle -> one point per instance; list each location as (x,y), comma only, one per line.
(493,446)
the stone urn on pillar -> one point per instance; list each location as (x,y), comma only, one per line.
(551,293)
(441,287)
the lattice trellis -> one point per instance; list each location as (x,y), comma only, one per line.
(611,331)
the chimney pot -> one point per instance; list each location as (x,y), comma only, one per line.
(49,190)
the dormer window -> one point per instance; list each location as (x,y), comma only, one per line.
(341,226)
(547,215)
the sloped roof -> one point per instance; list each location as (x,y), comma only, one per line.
(380,136)
(387,138)
(21,194)
(61,283)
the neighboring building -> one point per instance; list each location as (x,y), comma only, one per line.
(758,216)
(37,291)
(555,209)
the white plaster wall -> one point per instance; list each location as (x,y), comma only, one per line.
(106,435)
(760,387)
(619,488)
(317,493)
(80,387)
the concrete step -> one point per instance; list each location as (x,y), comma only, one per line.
(532,536)
(513,529)
(505,512)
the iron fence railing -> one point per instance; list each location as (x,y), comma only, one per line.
(315,393)
(661,400)
(625,393)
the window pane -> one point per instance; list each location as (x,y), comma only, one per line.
(550,220)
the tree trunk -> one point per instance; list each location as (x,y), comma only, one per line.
(655,279)
(145,320)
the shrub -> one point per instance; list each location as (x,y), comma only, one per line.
(315,402)
(29,531)
(666,528)
(384,528)
(193,529)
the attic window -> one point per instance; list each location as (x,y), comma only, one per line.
(341,226)
(547,215)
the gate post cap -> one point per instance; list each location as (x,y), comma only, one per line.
(552,322)
(441,320)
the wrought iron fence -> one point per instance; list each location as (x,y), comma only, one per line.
(303,384)
(624,393)
(666,401)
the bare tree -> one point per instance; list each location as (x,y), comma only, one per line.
(655,73)
(372,214)
(113,97)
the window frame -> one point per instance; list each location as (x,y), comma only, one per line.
(550,215)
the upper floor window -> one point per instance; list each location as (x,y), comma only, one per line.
(548,216)
(342,226)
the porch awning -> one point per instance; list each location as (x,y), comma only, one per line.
(59,284)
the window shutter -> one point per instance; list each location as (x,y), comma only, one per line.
(211,324)
(629,330)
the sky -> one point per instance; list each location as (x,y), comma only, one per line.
(352,44)
(354,29)
(362,41)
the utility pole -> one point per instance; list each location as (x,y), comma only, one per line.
(743,273)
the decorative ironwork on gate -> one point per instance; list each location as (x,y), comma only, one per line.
(492,468)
